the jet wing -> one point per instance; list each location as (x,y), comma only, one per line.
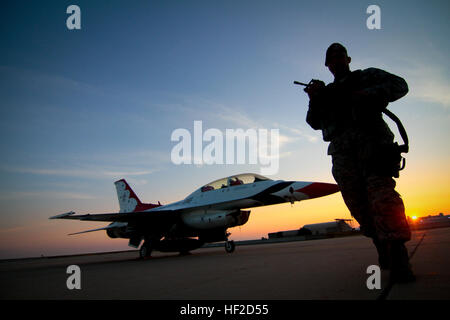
(111,226)
(162,216)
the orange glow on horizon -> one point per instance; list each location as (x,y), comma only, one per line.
(48,237)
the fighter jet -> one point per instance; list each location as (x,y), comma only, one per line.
(202,217)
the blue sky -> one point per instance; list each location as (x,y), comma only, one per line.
(83,108)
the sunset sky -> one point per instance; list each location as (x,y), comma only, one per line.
(81,109)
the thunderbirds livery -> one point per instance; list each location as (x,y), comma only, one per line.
(202,217)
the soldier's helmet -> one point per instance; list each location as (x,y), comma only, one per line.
(333,49)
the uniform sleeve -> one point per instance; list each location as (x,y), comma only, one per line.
(314,114)
(312,117)
(382,85)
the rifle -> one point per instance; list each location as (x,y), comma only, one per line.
(306,85)
(301,83)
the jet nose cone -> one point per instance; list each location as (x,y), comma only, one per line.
(319,189)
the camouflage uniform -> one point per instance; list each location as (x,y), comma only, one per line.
(359,146)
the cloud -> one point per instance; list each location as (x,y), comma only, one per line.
(234,117)
(93,172)
(107,165)
(429,84)
(22,195)
(298,134)
(30,79)
(287,134)
(427,81)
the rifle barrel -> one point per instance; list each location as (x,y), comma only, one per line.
(301,83)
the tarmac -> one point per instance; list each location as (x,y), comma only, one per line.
(325,269)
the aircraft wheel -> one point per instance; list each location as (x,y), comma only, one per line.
(145,251)
(229,246)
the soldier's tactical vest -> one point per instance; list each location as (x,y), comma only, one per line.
(341,112)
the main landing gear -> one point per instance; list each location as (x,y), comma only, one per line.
(146,250)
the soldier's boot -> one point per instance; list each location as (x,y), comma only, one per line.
(383,253)
(401,271)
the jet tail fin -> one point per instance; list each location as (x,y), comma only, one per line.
(128,200)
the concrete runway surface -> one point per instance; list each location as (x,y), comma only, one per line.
(319,269)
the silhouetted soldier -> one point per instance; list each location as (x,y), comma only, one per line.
(348,111)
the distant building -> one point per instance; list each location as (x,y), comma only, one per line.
(289,233)
(429,222)
(315,229)
(328,227)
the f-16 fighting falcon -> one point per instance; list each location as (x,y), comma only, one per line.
(202,217)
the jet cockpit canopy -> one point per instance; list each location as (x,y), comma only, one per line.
(235,180)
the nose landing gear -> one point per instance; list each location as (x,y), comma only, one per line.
(229,246)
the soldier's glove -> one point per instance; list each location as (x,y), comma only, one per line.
(314,88)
